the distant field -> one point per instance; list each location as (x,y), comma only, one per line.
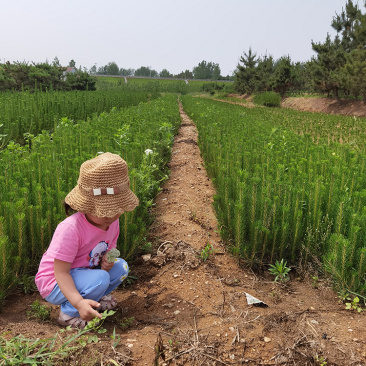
(163,85)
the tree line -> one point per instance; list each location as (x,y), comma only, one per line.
(204,70)
(44,76)
(338,69)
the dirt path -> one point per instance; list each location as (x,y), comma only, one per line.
(194,312)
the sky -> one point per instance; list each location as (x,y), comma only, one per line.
(163,34)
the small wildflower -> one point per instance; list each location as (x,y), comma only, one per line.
(148,151)
(333,153)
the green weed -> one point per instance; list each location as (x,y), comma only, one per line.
(207,251)
(280,270)
(39,311)
(19,350)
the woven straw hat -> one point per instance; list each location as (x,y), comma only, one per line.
(103,188)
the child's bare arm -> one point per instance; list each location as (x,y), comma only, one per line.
(64,280)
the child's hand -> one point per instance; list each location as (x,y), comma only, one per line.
(105,264)
(86,309)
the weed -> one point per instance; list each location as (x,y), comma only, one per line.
(116,338)
(207,251)
(280,270)
(19,350)
(28,284)
(39,311)
(126,322)
(321,361)
(129,281)
(354,304)
(315,281)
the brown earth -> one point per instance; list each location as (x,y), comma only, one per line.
(320,104)
(183,310)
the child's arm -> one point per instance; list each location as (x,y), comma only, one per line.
(64,280)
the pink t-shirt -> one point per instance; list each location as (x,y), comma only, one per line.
(78,242)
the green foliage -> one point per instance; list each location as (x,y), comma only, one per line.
(207,251)
(280,270)
(206,71)
(30,113)
(354,304)
(40,312)
(22,76)
(35,181)
(126,323)
(246,74)
(268,99)
(19,350)
(285,186)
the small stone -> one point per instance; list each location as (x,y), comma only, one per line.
(130,345)
(232,357)
(175,275)
(314,321)
(146,257)
(176,312)
(232,329)
(267,339)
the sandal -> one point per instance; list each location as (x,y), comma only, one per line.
(108,302)
(74,322)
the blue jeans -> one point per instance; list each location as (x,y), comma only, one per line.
(92,284)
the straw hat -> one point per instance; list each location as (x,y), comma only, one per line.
(103,188)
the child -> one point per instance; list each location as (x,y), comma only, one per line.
(74,271)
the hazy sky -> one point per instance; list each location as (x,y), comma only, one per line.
(171,34)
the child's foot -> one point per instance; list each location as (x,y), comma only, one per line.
(108,302)
(74,322)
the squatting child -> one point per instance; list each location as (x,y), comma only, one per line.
(75,272)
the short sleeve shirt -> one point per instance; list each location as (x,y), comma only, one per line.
(78,242)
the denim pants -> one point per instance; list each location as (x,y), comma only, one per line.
(92,284)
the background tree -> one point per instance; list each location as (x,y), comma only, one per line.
(126,72)
(72,63)
(93,69)
(246,74)
(205,70)
(146,71)
(80,81)
(326,67)
(282,78)
(185,75)
(347,25)
(354,73)
(102,70)
(56,62)
(112,68)
(216,73)
(165,74)
(264,74)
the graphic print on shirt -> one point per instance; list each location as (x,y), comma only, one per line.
(97,253)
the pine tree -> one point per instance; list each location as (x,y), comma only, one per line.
(246,74)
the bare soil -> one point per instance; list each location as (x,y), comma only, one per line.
(183,310)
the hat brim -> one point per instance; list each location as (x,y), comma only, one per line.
(104,205)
